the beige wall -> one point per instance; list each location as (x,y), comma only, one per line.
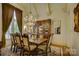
(59,14)
(72,36)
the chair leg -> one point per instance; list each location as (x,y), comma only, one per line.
(15,49)
(46,53)
(21,52)
(50,49)
(11,47)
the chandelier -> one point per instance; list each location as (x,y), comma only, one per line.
(29,20)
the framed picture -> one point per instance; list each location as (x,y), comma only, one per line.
(57,27)
(76,18)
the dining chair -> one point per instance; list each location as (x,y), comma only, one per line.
(18,42)
(28,49)
(45,45)
(13,44)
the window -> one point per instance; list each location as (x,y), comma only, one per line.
(13,28)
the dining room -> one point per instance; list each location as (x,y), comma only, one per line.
(38,29)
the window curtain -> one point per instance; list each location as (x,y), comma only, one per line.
(19,19)
(7,13)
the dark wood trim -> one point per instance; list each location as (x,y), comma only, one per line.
(11,6)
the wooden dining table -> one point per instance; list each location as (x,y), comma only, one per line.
(37,42)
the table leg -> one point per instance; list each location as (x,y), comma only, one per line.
(37,50)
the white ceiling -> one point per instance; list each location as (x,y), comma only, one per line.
(43,9)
